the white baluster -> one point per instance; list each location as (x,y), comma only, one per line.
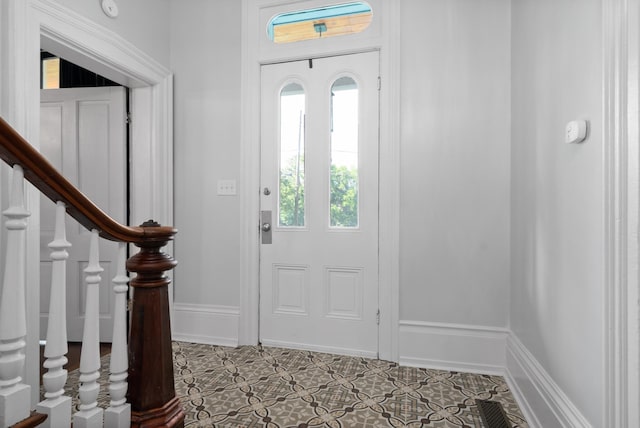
(57,405)
(14,395)
(89,414)
(118,415)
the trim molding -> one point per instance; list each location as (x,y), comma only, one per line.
(620,161)
(86,43)
(633,222)
(541,400)
(17,76)
(454,347)
(250,166)
(389,189)
(491,350)
(209,324)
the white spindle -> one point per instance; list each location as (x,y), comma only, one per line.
(89,414)
(118,415)
(56,405)
(14,395)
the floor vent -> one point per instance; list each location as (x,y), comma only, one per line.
(493,414)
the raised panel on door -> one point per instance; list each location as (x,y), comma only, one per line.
(319,181)
(83,134)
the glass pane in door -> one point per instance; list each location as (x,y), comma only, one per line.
(291,203)
(343,210)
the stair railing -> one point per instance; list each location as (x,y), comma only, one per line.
(141,385)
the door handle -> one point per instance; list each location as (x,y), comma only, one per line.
(265,226)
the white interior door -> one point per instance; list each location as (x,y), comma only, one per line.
(83,134)
(319,204)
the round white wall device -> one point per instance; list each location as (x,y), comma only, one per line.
(110,8)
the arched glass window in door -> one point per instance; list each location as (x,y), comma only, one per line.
(321,22)
(291,203)
(344,175)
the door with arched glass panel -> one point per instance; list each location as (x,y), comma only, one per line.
(319,204)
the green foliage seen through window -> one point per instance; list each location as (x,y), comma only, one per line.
(344,195)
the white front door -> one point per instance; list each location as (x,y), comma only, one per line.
(83,134)
(319,204)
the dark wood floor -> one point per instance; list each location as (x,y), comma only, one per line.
(73,355)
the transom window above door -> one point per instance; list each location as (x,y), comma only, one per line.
(321,22)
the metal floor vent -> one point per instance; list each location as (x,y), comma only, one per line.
(493,414)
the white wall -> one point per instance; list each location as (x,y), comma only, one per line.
(469,196)
(455,158)
(495,234)
(557,196)
(142,22)
(455,112)
(205,57)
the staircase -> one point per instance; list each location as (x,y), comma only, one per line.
(141,383)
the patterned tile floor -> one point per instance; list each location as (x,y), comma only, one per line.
(257,386)
(254,386)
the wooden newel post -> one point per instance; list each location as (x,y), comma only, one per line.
(151,384)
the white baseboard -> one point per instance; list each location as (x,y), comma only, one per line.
(210,324)
(453,347)
(541,400)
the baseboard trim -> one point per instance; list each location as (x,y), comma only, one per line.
(454,347)
(541,400)
(209,324)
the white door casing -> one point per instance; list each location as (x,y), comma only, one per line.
(255,51)
(83,134)
(319,283)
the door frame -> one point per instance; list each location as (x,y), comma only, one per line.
(255,53)
(26,27)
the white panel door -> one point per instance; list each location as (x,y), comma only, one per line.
(83,134)
(319,184)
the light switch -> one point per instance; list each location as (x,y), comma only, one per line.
(226,187)
(576,131)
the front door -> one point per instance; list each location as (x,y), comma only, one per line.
(83,134)
(319,204)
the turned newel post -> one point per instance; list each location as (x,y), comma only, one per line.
(151,385)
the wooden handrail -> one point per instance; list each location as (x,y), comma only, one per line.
(45,177)
(151,387)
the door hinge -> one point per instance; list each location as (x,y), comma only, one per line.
(378,317)
(379,83)
(128,118)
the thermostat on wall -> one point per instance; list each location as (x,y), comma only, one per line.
(110,8)
(576,131)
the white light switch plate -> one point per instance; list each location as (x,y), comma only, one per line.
(226,187)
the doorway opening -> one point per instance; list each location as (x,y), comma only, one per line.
(84,133)
(58,73)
